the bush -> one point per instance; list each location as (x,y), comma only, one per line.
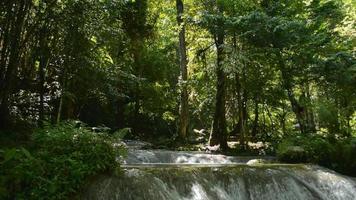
(292,154)
(58,163)
(337,154)
(344,156)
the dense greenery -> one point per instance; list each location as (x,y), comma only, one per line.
(278,72)
(329,152)
(57,164)
(268,67)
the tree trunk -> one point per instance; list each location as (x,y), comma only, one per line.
(296,107)
(4,46)
(310,113)
(282,119)
(219,135)
(255,122)
(120,117)
(13,51)
(184,109)
(240,129)
(61,100)
(137,46)
(41,91)
(44,58)
(60,108)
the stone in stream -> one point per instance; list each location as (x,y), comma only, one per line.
(256,162)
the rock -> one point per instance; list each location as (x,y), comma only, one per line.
(256,162)
(212,148)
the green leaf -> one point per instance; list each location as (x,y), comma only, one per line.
(9,155)
(27,153)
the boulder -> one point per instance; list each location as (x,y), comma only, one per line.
(256,162)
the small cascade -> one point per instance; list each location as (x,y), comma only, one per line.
(136,156)
(171,175)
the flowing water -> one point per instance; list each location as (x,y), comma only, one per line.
(170,175)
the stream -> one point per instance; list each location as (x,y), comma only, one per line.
(174,175)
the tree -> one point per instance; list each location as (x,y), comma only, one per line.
(219,133)
(184,109)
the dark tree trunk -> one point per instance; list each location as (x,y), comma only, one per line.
(137,46)
(62,97)
(269,114)
(282,120)
(255,122)
(310,113)
(296,107)
(242,125)
(120,118)
(44,58)
(240,129)
(219,135)
(184,109)
(41,91)
(11,53)
(4,46)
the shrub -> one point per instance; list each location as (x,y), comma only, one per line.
(337,154)
(343,156)
(58,163)
(292,154)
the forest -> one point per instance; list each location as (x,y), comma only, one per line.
(239,78)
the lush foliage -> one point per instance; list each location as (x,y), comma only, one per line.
(58,163)
(282,65)
(329,152)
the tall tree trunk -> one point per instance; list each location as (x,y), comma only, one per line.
(120,117)
(282,120)
(137,48)
(13,51)
(240,129)
(311,127)
(44,58)
(296,107)
(62,98)
(244,119)
(255,122)
(60,108)
(41,74)
(269,114)
(219,135)
(4,46)
(183,110)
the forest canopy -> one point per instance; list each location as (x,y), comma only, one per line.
(247,68)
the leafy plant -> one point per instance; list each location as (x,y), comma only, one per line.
(57,165)
(328,152)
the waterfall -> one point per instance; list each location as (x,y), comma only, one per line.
(170,175)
